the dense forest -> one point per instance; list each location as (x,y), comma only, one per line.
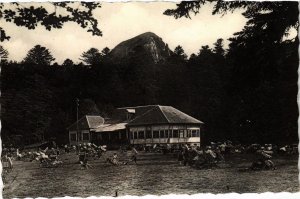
(246,93)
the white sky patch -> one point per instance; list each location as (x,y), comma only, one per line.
(122,21)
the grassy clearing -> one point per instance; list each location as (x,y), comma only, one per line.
(155,174)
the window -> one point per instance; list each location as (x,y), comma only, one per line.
(189,134)
(85,136)
(155,134)
(198,133)
(166,133)
(73,136)
(181,133)
(194,133)
(130,113)
(175,133)
(131,134)
(135,134)
(141,135)
(148,134)
(162,134)
(130,116)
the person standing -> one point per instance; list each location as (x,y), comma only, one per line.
(7,162)
(115,159)
(82,155)
(66,149)
(180,156)
(134,155)
(185,157)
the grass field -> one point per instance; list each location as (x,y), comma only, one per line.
(155,174)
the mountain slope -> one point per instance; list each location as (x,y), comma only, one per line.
(147,46)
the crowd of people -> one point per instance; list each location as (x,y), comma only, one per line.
(114,160)
(50,156)
(199,157)
(89,151)
(86,151)
(213,154)
(209,156)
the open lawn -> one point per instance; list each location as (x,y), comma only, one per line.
(155,174)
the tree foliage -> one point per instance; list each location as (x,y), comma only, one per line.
(3,35)
(180,52)
(3,54)
(56,16)
(68,62)
(105,51)
(88,107)
(274,19)
(91,57)
(39,55)
(254,69)
(218,47)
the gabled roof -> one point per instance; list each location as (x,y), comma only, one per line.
(110,127)
(94,121)
(152,116)
(163,115)
(120,114)
(142,115)
(87,122)
(173,115)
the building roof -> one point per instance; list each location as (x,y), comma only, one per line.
(120,114)
(141,115)
(157,114)
(94,121)
(111,127)
(173,115)
(87,122)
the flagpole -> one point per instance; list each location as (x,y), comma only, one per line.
(77,105)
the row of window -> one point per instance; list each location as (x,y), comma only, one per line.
(111,136)
(165,134)
(85,137)
(147,134)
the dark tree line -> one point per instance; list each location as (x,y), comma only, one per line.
(261,70)
(247,93)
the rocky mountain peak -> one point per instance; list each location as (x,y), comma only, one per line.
(147,45)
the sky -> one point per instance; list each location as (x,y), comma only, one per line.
(122,21)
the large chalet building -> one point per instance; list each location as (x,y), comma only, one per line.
(141,125)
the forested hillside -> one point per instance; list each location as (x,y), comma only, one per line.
(246,93)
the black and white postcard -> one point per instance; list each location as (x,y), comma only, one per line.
(157,98)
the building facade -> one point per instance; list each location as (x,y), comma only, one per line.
(81,130)
(141,125)
(164,125)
